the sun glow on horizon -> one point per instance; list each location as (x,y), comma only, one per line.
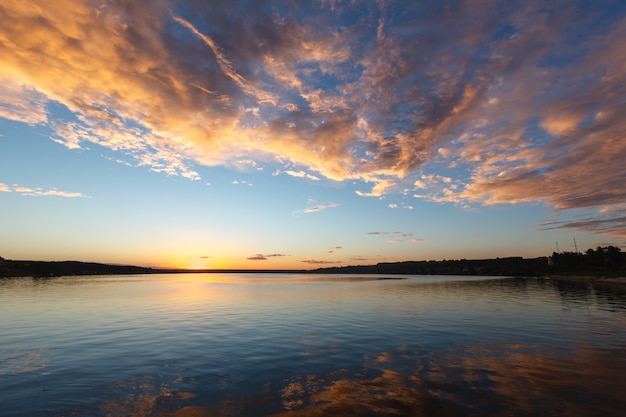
(203,136)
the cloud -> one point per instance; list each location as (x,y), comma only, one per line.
(419,184)
(445,153)
(397,237)
(612,222)
(405,241)
(319,207)
(40,192)
(261,257)
(314,208)
(226,66)
(359,258)
(21,102)
(401,205)
(301,174)
(505,103)
(319,262)
(257,257)
(379,189)
(332,249)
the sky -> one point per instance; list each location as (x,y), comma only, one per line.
(299,135)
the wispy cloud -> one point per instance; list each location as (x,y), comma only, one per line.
(612,222)
(226,66)
(397,237)
(404,240)
(401,205)
(40,192)
(360,258)
(319,207)
(261,257)
(301,174)
(516,102)
(319,262)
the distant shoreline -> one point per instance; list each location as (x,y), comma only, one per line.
(51,269)
(514,266)
(511,266)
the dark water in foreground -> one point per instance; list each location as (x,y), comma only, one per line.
(305,345)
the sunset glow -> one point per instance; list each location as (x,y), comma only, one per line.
(297,135)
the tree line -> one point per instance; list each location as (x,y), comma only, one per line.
(605,261)
(601,259)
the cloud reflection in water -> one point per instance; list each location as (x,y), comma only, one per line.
(489,380)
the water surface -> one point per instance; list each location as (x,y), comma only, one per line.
(310,345)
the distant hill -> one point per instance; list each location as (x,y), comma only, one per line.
(10,268)
(499,266)
(605,261)
(602,261)
(40,269)
(516,266)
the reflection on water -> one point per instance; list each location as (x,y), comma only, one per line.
(293,278)
(492,380)
(299,346)
(23,362)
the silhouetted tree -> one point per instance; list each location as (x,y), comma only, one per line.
(613,258)
(600,259)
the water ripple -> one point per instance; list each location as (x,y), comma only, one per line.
(300,345)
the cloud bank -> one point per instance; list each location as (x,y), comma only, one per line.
(466,102)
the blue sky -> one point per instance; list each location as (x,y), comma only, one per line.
(304,134)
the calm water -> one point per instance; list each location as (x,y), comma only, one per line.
(305,345)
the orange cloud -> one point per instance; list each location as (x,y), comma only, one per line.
(40,192)
(506,103)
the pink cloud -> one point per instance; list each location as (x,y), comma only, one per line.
(504,100)
(319,207)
